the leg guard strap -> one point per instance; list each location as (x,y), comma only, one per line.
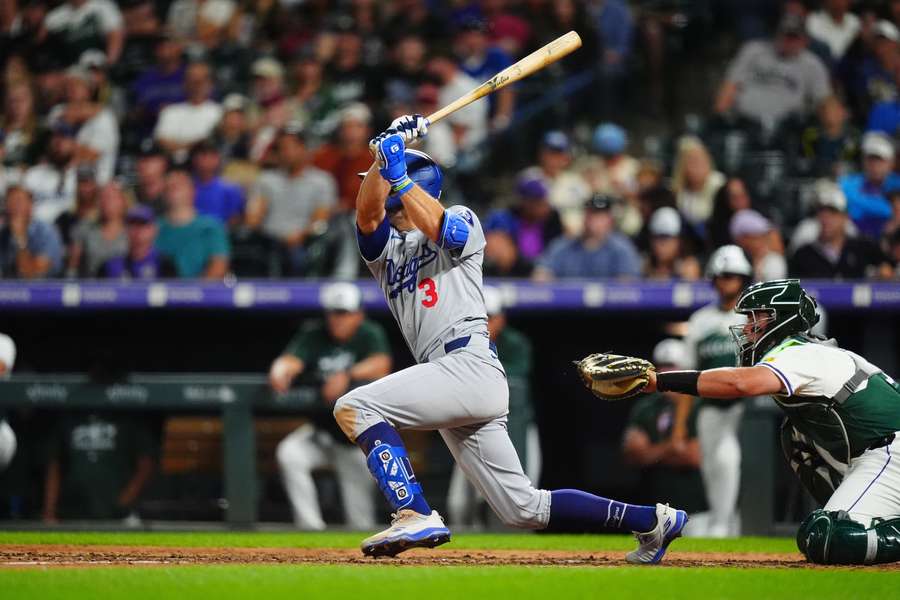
(392,470)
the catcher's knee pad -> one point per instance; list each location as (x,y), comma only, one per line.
(833,538)
(390,467)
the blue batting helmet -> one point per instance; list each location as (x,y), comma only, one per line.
(422,169)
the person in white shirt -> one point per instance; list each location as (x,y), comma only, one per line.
(834,25)
(183,124)
(7,436)
(76,23)
(470,124)
(52,182)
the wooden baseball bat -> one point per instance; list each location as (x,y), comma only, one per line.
(534,62)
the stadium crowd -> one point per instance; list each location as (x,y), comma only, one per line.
(197,138)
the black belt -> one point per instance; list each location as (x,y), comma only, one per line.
(462,342)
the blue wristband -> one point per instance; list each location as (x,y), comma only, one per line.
(403,186)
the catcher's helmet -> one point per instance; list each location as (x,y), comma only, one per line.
(422,169)
(788,309)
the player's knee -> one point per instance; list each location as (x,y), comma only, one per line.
(523,513)
(833,538)
(346,410)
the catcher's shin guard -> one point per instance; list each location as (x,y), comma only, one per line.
(833,538)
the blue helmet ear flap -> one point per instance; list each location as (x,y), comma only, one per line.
(422,169)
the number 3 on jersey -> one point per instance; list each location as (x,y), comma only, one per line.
(431,295)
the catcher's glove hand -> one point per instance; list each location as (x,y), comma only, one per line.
(614,377)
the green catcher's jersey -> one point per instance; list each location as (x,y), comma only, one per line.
(842,422)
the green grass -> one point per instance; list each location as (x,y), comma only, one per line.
(518,541)
(434,583)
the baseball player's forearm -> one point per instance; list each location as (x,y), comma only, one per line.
(426,213)
(741,382)
(371,368)
(370,201)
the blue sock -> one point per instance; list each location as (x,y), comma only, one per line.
(399,486)
(574,509)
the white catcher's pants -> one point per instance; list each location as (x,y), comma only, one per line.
(465,398)
(7,444)
(308,448)
(720,466)
(871,486)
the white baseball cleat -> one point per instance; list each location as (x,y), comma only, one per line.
(408,529)
(669,524)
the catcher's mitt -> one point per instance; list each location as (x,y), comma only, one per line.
(614,377)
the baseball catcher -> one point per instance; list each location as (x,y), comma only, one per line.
(842,415)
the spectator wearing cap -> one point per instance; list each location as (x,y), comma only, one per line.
(612,171)
(567,191)
(232,136)
(867,191)
(667,258)
(834,254)
(197,244)
(825,192)
(772,81)
(77,25)
(872,79)
(215,197)
(533,223)
(94,243)
(183,124)
(142,261)
(828,145)
(86,210)
(695,182)
(600,251)
(753,233)
(293,202)
(348,155)
(159,86)
(270,109)
(834,25)
(29,248)
(481,60)
(152,165)
(52,182)
(97,137)
(333,355)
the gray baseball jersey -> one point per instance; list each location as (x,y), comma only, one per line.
(435,294)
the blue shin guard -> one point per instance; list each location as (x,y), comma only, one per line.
(389,464)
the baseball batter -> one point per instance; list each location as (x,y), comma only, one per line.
(839,434)
(427,260)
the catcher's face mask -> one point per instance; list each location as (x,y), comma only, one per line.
(750,336)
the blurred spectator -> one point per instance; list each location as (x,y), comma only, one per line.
(200,19)
(77,25)
(615,173)
(406,71)
(159,86)
(349,154)
(695,182)
(470,125)
(867,191)
(97,137)
(29,248)
(667,258)
(215,197)
(567,191)
(198,245)
(502,257)
(96,242)
(143,260)
(183,124)
(99,464)
(894,224)
(825,193)
(753,232)
(313,104)
(835,255)
(152,165)
(661,439)
(271,107)
(52,181)
(614,26)
(834,25)
(143,28)
(334,355)
(871,79)
(893,251)
(232,136)
(600,252)
(439,144)
(507,30)
(830,144)
(648,202)
(86,209)
(731,198)
(771,81)
(480,60)
(294,201)
(19,125)
(7,435)
(417,17)
(533,223)
(350,78)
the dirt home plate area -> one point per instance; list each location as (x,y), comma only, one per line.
(27,556)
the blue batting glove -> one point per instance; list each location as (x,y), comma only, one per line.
(389,152)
